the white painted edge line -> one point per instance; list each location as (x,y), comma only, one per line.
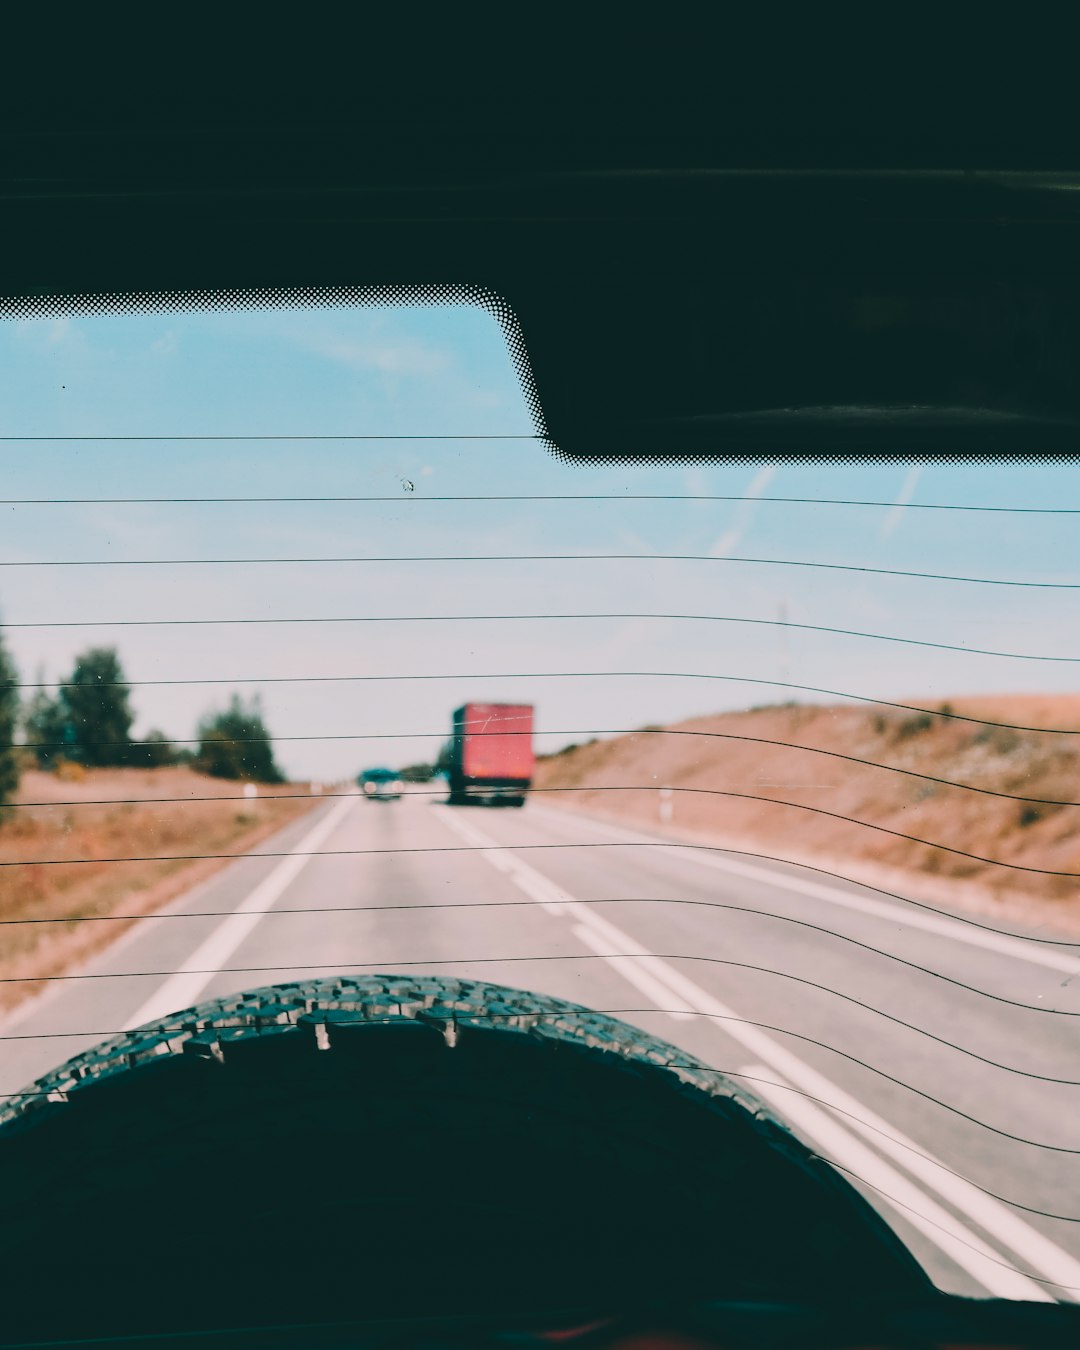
(184,986)
(1002,943)
(927,1217)
(1045,1258)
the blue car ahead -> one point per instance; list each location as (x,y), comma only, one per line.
(381,785)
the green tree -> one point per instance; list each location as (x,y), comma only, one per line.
(96,699)
(234,743)
(9,717)
(154,751)
(47,727)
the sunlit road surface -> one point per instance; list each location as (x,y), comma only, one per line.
(637,924)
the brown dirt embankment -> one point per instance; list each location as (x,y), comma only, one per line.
(60,825)
(815,807)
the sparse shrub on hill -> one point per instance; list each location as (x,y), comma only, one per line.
(155,751)
(568,749)
(1002,740)
(914,725)
(235,743)
(25,760)
(69,770)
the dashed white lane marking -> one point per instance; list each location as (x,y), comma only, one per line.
(184,986)
(1044,1257)
(615,954)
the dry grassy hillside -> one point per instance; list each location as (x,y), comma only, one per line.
(788,788)
(60,825)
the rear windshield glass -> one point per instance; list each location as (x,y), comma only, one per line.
(784,758)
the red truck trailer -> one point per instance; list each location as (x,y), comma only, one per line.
(491,754)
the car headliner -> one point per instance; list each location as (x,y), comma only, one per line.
(701,237)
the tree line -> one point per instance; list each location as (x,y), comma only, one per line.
(87,719)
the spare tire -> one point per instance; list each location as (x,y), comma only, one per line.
(370,1146)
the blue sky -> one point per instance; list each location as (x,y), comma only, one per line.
(439,372)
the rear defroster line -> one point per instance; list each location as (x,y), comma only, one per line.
(721,559)
(943,712)
(711,792)
(652,617)
(1052,1264)
(678,1011)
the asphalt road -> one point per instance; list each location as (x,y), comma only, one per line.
(855,1046)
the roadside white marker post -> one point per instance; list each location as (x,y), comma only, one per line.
(250,794)
(667,807)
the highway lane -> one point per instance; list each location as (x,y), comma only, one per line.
(621,920)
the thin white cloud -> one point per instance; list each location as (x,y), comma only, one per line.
(726,543)
(761,480)
(731,538)
(395,357)
(484,398)
(907,491)
(638,542)
(696,483)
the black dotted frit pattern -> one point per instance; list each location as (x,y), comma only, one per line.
(814,457)
(50,306)
(289,297)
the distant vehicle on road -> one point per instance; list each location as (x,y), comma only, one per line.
(491,759)
(382,785)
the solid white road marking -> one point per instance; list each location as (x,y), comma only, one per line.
(183,988)
(970,1253)
(1044,1256)
(998,1220)
(902,917)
